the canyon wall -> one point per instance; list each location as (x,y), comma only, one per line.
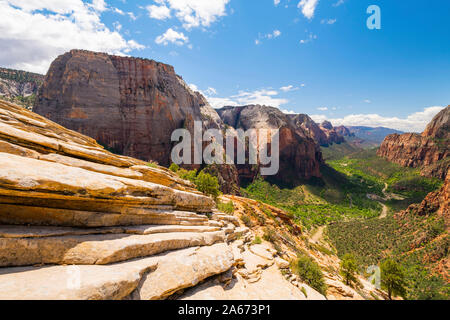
(429,150)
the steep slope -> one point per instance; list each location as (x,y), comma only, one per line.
(430,150)
(300,157)
(19,87)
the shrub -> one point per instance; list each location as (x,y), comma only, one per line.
(174,167)
(207,184)
(187,175)
(257,240)
(152,164)
(247,221)
(270,235)
(226,207)
(309,271)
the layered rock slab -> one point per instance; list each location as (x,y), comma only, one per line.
(111,282)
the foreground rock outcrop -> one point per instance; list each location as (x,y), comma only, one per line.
(429,150)
(78,222)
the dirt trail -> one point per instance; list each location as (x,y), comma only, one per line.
(318,234)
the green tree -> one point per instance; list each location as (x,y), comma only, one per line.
(207,184)
(309,271)
(349,268)
(393,278)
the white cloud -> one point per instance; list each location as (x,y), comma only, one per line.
(415,122)
(338,3)
(310,38)
(367,101)
(289,88)
(308,7)
(274,34)
(211,91)
(276,2)
(158,12)
(328,21)
(322,108)
(193,13)
(34,32)
(266,97)
(172,36)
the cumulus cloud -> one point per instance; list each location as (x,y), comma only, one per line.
(308,7)
(191,13)
(34,32)
(276,2)
(172,36)
(415,122)
(158,12)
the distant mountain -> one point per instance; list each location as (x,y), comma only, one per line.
(370,134)
(19,87)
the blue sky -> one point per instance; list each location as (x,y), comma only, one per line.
(305,56)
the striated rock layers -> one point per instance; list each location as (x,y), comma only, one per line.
(429,150)
(300,157)
(129,105)
(101,218)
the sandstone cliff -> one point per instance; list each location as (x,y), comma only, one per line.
(129,105)
(429,150)
(300,157)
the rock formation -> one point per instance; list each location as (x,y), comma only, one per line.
(300,157)
(129,105)
(325,134)
(19,86)
(429,150)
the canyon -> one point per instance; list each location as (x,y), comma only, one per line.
(429,151)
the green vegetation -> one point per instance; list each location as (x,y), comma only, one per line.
(204,182)
(336,198)
(21,76)
(226,207)
(309,271)
(152,164)
(174,167)
(393,278)
(349,268)
(374,172)
(207,184)
(257,240)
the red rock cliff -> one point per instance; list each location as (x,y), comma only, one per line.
(430,150)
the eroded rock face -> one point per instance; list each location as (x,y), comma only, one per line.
(429,150)
(129,105)
(300,157)
(325,134)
